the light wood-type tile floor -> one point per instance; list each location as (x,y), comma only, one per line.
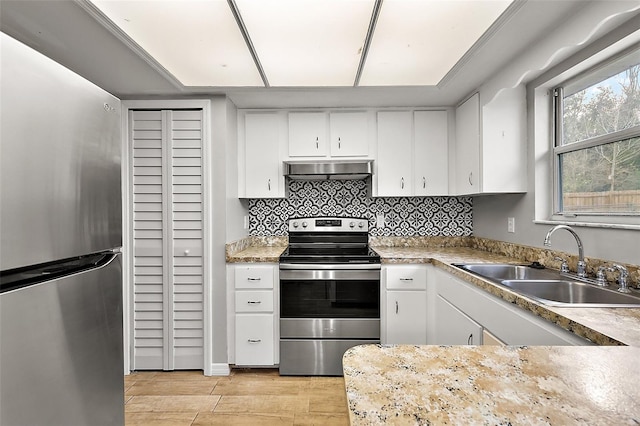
(246,397)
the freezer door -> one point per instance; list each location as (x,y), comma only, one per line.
(60,155)
(61,358)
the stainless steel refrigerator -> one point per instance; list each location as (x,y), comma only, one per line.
(61,345)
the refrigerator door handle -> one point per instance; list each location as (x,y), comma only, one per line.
(38,274)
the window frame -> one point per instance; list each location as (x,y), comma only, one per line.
(557,149)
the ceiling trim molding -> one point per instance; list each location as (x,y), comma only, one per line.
(247,39)
(473,50)
(367,41)
(103,20)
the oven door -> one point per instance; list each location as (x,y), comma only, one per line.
(330,293)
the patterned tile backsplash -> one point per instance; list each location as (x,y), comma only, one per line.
(424,216)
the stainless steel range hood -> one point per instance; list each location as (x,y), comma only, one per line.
(325,170)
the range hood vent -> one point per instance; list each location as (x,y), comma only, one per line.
(325,170)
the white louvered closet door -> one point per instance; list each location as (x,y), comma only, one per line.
(168,240)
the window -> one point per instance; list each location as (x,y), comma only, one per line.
(597,140)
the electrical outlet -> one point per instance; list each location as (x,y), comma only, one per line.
(511,224)
(246,222)
(380,220)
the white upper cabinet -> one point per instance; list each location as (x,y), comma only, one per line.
(431,153)
(412,153)
(490,148)
(307,134)
(504,164)
(261,161)
(349,134)
(467,159)
(395,156)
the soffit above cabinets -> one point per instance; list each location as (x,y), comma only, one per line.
(305,43)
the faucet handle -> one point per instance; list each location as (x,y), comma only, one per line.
(600,278)
(564,267)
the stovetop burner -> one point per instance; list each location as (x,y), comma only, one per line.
(329,240)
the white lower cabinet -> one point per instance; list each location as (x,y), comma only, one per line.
(253,324)
(454,327)
(463,310)
(254,339)
(404,302)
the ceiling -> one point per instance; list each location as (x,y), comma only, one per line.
(75,34)
(304,43)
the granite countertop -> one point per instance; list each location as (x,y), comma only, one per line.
(604,326)
(561,385)
(270,254)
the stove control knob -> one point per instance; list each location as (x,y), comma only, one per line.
(304,224)
(352,225)
(295,224)
(361,225)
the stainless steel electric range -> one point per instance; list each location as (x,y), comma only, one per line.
(329,294)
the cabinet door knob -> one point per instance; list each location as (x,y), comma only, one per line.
(186,252)
(396,306)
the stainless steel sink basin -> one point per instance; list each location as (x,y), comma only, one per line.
(510,272)
(552,288)
(575,293)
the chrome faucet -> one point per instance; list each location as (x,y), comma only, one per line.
(582,266)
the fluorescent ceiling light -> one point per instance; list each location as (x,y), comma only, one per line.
(304,43)
(416,42)
(308,42)
(197,41)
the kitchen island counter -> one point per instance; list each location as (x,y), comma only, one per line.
(410,385)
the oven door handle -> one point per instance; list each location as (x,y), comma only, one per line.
(329,275)
(316,267)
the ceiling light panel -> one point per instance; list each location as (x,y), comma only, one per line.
(198,41)
(416,42)
(304,43)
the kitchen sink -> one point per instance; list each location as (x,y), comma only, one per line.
(551,287)
(510,272)
(574,293)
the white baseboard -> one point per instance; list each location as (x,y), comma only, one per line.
(218,370)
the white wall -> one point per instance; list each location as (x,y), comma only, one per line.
(491,211)
(227,213)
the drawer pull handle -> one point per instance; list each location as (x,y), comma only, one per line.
(254,340)
(251,302)
(254,279)
(406,279)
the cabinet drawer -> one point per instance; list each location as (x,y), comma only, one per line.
(406,278)
(254,301)
(254,277)
(254,339)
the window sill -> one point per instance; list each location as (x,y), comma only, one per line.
(589,224)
